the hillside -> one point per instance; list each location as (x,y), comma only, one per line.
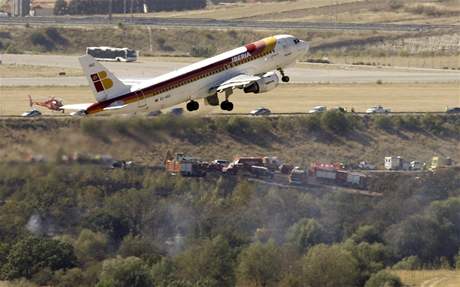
(297,140)
(82,224)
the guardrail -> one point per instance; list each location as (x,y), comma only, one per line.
(272,115)
(181,22)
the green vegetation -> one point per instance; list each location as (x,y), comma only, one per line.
(85,7)
(62,223)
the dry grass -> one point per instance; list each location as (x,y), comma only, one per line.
(429,278)
(445,12)
(243,10)
(13,71)
(285,98)
(436,62)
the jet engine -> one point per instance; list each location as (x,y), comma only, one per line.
(267,82)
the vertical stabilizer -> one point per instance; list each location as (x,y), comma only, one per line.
(103,83)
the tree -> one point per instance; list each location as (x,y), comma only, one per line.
(210,262)
(384,279)
(416,236)
(370,258)
(122,272)
(329,266)
(304,234)
(91,245)
(260,264)
(60,7)
(33,254)
(366,233)
(139,247)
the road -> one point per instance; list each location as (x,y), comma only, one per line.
(150,67)
(211,23)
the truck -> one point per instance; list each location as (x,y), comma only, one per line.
(439,162)
(260,172)
(298,176)
(242,164)
(356,180)
(396,163)
(186,166)
(325,172)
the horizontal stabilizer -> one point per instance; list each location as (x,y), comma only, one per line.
(76,107)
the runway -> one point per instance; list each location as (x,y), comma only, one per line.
(301,73)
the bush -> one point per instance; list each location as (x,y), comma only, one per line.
(329,266)
(384,123)
(32,255)
(55,36)
(260,264)
(38,39)
(335,122)
(384,279)
(122,272)
(202,51)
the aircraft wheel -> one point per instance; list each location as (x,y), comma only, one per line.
(193,106)
(226,106)
(285,79)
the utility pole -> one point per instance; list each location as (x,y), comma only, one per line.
(110,10)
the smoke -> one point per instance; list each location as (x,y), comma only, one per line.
(40,226)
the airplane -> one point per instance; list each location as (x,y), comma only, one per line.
(251,68)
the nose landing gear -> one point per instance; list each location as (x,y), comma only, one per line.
(284,78)
(193,106)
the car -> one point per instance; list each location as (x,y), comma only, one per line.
(339,109)
(31,114)
(377,110)
(455,110)
(218,165)
(176,111)
(260,112)
(317,109)
(154,114)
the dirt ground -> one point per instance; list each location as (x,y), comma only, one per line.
(430,278)
(284,99)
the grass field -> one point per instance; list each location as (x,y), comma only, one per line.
(438,62)
(12,71)
(285,98)
(243,10)
(373,11)
(429,278)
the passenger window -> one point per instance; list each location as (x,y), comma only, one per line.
(296,41)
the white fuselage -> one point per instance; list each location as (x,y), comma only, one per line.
(284,53)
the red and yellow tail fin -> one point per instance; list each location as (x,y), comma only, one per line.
(103,83)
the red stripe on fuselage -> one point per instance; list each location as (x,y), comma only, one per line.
(254,49)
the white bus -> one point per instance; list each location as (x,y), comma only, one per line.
(112,54)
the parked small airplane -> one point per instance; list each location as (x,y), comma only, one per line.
(251,67)
(52,103)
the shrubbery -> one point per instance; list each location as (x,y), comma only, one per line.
(90,7)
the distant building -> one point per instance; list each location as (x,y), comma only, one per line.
(20,8)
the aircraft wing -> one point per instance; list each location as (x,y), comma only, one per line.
(239,81)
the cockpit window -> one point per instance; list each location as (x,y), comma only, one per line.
(296,41)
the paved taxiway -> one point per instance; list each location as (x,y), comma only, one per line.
(150,67)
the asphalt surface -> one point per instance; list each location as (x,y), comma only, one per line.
(147,68)
(211,23)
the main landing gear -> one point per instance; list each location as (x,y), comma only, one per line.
(226,105)
(284,78)
(193,106)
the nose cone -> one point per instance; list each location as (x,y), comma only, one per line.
(304,47)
